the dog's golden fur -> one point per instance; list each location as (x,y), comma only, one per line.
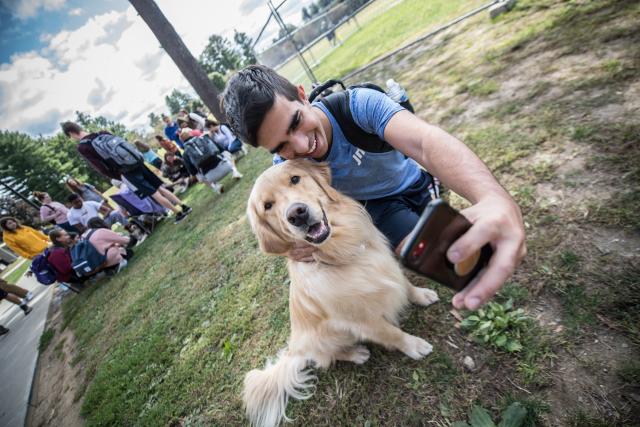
(354,291)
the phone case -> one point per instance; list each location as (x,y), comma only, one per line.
(425,251)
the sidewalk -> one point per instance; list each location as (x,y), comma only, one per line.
(19,351)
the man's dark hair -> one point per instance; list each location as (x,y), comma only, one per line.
(97,222)
(72,197)
(249,95)
(71,127)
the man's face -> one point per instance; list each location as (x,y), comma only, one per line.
(74,136)
(77,203)
(167,120)
(293,129)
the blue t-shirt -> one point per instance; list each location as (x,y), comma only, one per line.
(360,174)
(171,132)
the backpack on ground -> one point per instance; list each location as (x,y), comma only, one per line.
(203,153)
(40,267)
(117,151)
(85,258)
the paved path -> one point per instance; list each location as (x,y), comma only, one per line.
(19,351)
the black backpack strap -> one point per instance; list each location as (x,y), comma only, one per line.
(338,105)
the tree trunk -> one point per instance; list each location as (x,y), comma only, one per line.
(173,45)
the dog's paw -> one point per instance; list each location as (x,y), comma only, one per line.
(416,347)
(359,355)
(423,296)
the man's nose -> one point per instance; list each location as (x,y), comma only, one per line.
(298,214)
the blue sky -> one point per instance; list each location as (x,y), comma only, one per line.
(99,57)
(25,33)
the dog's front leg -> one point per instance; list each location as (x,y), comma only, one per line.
(422,296)
(382,332)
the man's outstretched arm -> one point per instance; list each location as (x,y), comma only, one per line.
(495,216)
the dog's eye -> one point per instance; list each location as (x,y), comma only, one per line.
(295,179)
(268,206)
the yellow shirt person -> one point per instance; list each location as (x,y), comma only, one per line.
(23,240)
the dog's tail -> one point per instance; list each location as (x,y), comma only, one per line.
(267,391)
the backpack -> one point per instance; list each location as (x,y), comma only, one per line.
(85,258)
(117,151)
(338,105)
(40,267)
(203,153)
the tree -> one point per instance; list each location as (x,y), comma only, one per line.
(177,100)
(218,80)
(244,44)
(219,56)
(174,46)
(313,9)
(283,33)
(154,119)
(306,16)
(24,212)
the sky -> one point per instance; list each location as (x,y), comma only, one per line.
(99,57)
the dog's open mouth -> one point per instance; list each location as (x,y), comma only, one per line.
(318,232)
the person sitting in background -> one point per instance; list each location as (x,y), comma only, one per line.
(23,240)
(175,170)
(60,257)
(53,212)
(149,155)
(169,146)
(17,295)
(222,135)
(207,158)
(191,120)
(115,246)
(171,130)
(81,212)
(87,191)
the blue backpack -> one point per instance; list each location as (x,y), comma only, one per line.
(40,267)
(85,258)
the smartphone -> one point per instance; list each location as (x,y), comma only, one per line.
(425,250)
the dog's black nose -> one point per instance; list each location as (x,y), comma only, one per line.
(298,214)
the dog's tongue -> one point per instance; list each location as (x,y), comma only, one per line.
(316,230)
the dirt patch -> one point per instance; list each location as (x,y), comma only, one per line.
(57,390)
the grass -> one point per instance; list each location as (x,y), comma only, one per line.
(45,339)
(168,341)
(17,274)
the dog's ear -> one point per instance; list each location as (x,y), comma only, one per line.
(269,240)
(321,173)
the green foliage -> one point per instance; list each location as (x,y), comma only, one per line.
(45,339)
(498,325)
(177,100)
(244,45)
(220,56)
(513,416)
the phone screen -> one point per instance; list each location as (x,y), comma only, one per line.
(426,248)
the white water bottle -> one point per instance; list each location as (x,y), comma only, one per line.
(396,92)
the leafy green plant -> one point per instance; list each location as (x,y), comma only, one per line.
(498,325)
(513,416)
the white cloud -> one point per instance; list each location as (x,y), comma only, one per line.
(75,12)
(29,8)
(111,66)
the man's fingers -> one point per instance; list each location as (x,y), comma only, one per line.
(500,268)
(469,243)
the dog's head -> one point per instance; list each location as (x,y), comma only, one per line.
(289,202)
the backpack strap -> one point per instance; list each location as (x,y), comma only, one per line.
(338,105)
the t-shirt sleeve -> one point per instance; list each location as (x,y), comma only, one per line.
(372,110)
(72,218)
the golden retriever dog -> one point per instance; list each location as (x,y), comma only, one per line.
(353,292)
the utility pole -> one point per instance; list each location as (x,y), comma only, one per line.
(17,193)
(304,63)
(175,47)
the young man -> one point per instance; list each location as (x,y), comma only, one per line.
(140,179)
(82,211)
(266,110)
(171,130)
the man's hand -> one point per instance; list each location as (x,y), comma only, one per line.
(496,220)
(302,252)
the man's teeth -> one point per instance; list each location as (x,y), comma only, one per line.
(313,148)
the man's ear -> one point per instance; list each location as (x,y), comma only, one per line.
(302,96)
